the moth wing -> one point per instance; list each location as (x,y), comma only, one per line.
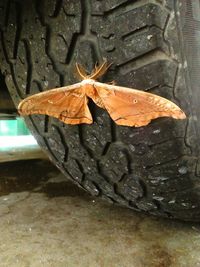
(68,104)
(131,107)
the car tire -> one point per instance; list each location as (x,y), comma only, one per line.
(153,46)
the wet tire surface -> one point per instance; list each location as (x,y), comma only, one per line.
(154,168)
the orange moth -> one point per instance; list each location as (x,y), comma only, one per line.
(126,106)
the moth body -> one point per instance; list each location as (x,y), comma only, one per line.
(126,106)
(88,82)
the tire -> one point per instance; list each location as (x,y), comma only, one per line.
(154,169)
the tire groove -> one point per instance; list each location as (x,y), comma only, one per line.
(58,7)
(12,71)
(164,34)
(7,13)
(29,64)
(150,167)
(46,123)
(19,11)
(76,36)
(135,5)
(164,142)
(177,99)
(138,31)
(119,7)
(113,129)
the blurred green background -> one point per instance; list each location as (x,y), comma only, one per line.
(13,127)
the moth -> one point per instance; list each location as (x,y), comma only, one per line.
(126,106)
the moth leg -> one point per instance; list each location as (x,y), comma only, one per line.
(112,82)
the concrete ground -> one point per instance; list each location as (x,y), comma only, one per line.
(48,221)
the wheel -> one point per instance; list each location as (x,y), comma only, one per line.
(155,168)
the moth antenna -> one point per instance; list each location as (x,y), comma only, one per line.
(96,66)
(96,73)
(99,70)
(81,72)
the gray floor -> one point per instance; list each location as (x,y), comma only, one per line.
(48,221)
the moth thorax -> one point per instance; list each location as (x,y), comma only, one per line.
(88,82)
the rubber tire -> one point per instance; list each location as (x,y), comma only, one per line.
(154,168)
